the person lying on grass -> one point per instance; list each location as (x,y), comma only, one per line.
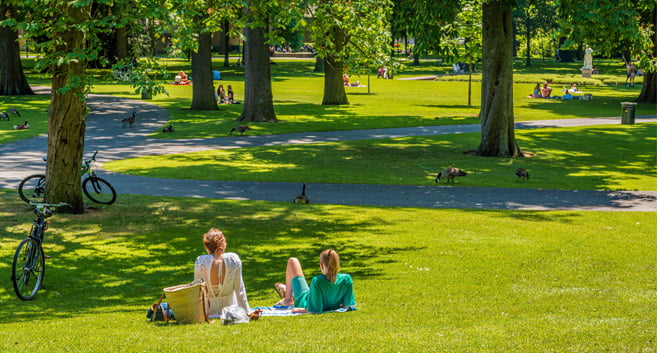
(329,291)
(222,272)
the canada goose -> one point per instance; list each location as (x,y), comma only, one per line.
(129,120)
(15,112)
(522,173)
(450,174)
(22,126)
(4,115)
(302,198)
(169,128)
(240,128)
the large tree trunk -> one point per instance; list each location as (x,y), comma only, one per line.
(12,78)
(496,111)
(67,120)
(258,105)
(203,90)
(648,94)
(334,89)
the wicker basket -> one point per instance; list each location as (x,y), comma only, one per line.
(187,302)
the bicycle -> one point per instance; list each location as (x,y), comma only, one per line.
(29,266)
(33,188)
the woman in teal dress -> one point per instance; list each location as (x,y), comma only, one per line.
(329,291)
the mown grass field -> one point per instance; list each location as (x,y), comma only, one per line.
(425,280)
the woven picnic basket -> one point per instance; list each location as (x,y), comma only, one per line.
(188,302)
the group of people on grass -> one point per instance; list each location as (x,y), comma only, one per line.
(222,272)
(225,97)
(546,92)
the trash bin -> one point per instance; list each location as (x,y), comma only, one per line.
(628,113)
(216,76)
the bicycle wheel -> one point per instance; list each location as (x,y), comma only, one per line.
(99,190)
(28,269)
(33,188)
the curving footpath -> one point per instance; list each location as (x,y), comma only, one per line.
(105,133)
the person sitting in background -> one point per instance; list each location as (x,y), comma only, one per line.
(182,79)
(229,95)
(574,88)
(536,93)
(346,80)
(546,91)
(220,95)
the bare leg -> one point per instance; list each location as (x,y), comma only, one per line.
(293,269)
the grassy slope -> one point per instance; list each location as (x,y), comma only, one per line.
(426,280)
(606,157)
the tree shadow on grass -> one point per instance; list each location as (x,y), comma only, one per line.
(121,258)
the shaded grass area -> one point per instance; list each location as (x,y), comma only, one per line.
(621,157)
(33,108)
(425,279)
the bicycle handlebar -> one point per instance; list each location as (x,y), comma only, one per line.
(44,205)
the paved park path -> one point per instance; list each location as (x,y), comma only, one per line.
(106,134)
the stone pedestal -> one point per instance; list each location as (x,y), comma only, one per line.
(586,72)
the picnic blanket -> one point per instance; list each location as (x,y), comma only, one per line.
(277,310)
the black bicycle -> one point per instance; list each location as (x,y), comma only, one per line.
(29,266)
(99,190)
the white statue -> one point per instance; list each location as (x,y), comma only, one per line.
(588,59)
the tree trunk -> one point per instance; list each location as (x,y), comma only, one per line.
(527,38)
(67,120)
(334,88)
(226,28)
(203,90)
(497,112)
(258,105)
(12,78)
(648,94)
(123,49)
(319,64)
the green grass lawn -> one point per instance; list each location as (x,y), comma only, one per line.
(621,157)
(385,103)
(425,279)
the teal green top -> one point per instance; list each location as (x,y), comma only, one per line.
(324,295)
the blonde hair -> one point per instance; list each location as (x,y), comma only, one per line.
(331,261)
(214,241)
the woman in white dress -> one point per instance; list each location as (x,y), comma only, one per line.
(222,273)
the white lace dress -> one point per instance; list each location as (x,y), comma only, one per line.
(231,292)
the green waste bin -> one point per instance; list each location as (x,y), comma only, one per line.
(628,113)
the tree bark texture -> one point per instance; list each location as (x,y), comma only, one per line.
(12,78)
(334,88)
(203,90)
(496,110)
(258,102)
(67,121)
(648,93)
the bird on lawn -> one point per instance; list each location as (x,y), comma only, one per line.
(240,128)
(522,173)
(4,115)
(302,198)
(22,126)
(129,120)
(169,128)
(450,174)
(15,112)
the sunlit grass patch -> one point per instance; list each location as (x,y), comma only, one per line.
(619,157)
